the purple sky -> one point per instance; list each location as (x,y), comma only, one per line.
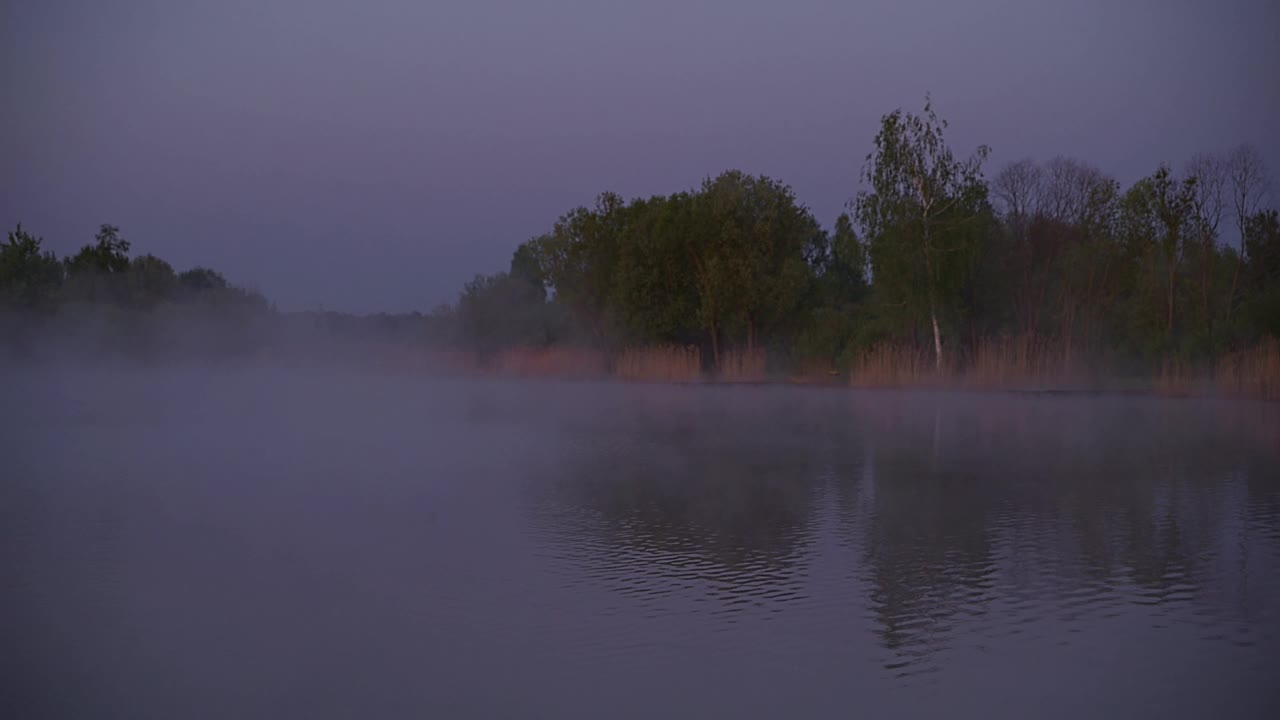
(374,155)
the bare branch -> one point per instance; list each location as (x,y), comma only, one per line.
(1018,187)
(1210,173)
(1249,185)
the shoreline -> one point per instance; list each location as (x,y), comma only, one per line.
(453,364)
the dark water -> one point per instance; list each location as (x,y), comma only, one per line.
(259,545)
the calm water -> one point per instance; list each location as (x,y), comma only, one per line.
(262,545)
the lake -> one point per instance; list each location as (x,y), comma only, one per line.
(262,544)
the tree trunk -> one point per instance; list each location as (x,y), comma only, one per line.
(1067,328)
(937,340)
(1205,281)
(1172,286)
(933,297)
(1235,280)
(715,347)
(1204,299)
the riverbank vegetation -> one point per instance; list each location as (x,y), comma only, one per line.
(1043,275)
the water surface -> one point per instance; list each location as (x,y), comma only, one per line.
(262,544)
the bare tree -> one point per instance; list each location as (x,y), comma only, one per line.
(1053,212)
(1018,188)
(1069,189)
(1249,183)
(1210,174)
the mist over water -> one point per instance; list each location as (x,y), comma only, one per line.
(256,543)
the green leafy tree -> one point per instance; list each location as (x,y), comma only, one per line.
(201,281)
(924,216)
(151,281)
(654,289)
(834,323)
(1159,224)
(577,259)
(95,274)
(526,267)
(29,277)
(109,254)
(1262,271)
(846,270)
(499,311)
(753,254)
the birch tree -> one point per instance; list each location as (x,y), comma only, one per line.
(922,215)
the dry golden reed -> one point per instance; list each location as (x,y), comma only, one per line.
(1251,373)
(663,363)
(1005,363)
(742,366)
(895,365)
(557,362)
(1175,379)
(1021,362)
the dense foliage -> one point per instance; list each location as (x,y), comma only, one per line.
(931,255)
(101,300)
(1180,266)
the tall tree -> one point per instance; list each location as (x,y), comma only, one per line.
(846,269)
(923,215)
(655,288)
(753,257)
(1068,187)
(1263,272)
(1093,281)
(1249,184)
(1019,188)
(578,258)
(525,267)
(1211,174)
(1160,222)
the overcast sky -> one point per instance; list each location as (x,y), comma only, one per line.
(374,155)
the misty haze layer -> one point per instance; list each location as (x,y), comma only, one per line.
(252,544)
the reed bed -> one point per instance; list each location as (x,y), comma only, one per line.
(1251,373)
(663,363)
(553,362)
(894,366)
(1005,363)
(1021,363)
(1175,379)
(742,366)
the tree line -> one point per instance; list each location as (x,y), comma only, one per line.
(34,280)
(931,254)
(101,299)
